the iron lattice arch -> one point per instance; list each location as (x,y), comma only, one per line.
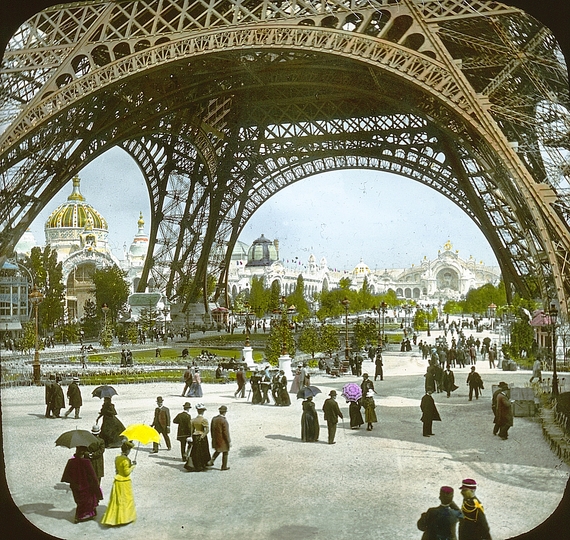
(224,103)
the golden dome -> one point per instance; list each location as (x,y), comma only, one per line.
(76,213)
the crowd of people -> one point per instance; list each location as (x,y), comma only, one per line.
(268,385)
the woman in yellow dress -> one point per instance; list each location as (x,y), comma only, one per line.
(121,509)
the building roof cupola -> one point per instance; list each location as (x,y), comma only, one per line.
(262,253)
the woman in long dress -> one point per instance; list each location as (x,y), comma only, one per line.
(369,410)
(196,386)
(296,384)
(121,509)
(284,399)
(309,421)
(355,415)
(200,453)
(81,477)
(112,427)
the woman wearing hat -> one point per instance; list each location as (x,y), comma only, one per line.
(95,453)
(80,476)
(309,421)
(369,410)
(200,453)
(121,509)
(111,427)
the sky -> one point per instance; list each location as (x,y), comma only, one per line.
(388,221)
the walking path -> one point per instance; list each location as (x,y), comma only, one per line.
(368,485)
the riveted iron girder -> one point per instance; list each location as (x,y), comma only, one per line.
(222,104)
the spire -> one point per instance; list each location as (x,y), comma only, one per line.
(140,223)
(76,194)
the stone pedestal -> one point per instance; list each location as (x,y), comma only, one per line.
(285,365)
(248,356)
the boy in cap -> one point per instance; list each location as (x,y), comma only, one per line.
(332,413)
(220,430)
(439,523)
(474,524)
(161,423)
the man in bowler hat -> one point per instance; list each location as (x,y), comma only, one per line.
(161,423)
(332,413)
(220,432)
(185,429)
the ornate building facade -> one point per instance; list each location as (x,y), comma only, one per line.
(447,277)
(78,233)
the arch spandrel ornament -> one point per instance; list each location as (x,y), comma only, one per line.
(232,101)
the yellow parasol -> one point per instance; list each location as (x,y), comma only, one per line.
(142,434)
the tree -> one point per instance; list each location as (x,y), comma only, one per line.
(280,336)
(90,320)
(329,339)
(345,283)
(111,288)
(275,296)
(309,340)
(48,277)
(298,300)
(258,297)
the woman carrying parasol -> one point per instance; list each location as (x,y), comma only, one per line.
(309,421)
(352,392)
(112,427)
(121,509)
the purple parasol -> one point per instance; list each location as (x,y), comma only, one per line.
(352,392)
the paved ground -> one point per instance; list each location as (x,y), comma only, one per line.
(369,485)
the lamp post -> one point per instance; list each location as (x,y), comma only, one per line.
(247,323)
(428,308)
(346,303)
(383,308)
(285,322)
(492,308)
(553,314)
(379,311)
(36,298)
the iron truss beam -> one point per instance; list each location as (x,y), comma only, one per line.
(224,103)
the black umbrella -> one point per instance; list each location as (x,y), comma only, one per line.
(104,391)
(76,437)
(307,391)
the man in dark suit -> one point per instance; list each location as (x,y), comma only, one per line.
(74,398)
(332,413)
(220,433)
(240,379)
(49,396)
(58,401)
(184,432)
(430,413)
(439,523)
(161,423)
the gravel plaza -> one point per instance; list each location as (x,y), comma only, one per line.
(369,484)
